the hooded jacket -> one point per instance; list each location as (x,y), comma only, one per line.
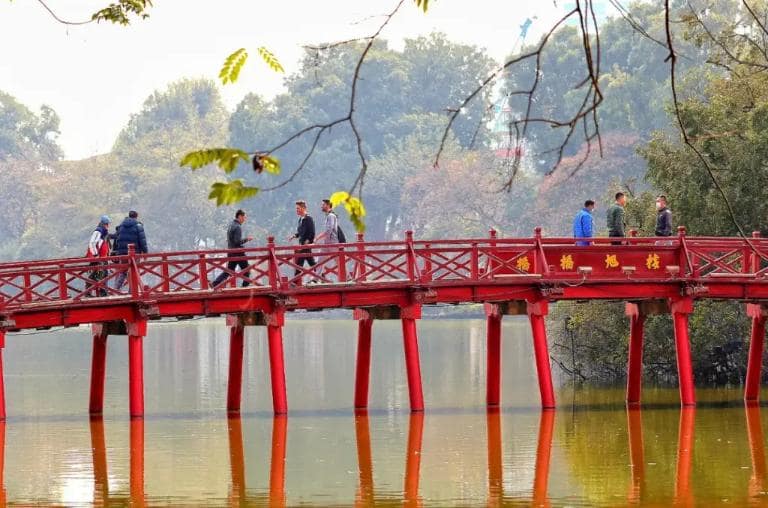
(131,231)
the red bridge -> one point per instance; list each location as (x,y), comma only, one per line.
(393,280)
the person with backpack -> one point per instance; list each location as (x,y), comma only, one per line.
(98,248)
(131,231)
(331,233)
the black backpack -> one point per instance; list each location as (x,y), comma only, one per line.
(339,233)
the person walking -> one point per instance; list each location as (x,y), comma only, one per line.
(130,231)
(583,223)
(98,249)
(330,233)
(305,233)
(615,215)
(663,217)
(235,240)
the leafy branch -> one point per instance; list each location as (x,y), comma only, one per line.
(118,13)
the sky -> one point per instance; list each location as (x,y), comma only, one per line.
(95,76)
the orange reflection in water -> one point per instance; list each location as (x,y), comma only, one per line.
(683,492)
(495,464)
(236,459)
(277,466)
(364,495)
(543,455)
(636,454)
(757,482)
(413,460)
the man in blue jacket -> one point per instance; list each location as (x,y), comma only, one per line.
(130,231)
(583,223)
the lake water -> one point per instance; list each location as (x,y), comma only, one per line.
(186,451)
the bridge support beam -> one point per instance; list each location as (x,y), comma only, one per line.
(537,311)
(2,378)
(137,330)
(493,362)
(635,361)
(98,368)
(681,309)
(275,322)
(755,359)
(235,379)
(412,363)
(363,364)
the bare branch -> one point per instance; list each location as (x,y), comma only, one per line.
(62,21)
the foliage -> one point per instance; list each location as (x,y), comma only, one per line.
(25,135)
(353,206)
(231,192)
(230,71)
(270,59)
(120,12)
(225,158)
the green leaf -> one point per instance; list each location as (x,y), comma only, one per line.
(270,60)
(226,158)
(230,71)
(119,13)
(271,164)
(422,4)
(353,206)
(231,192)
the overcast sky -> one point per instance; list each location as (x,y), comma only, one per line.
(95,76)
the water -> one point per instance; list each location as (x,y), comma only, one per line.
(591,451)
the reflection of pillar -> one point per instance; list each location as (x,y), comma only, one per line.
(363,365)
(755,360)
(635,361)
(636,454)
(681,309)
(99,450)
(495,464)
(137,462)
(493,369)
(235,379)
(683,494)
(537,311)
(98,368)
(757,482)
(236,459)
(543,455)
(3,493)
(277,464)
(364,460)
(413,459)
(136,332)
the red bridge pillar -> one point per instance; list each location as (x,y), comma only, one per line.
(363,364)
(98,368)
(681,309)
(409,315)
(275,321)
(755,360)
(635,362)
(235,379)
(537,311)
(137,330)
(2,377)
(493,366)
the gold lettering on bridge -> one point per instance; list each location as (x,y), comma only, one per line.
(566,262)
(611,261)
(653,262)
(523,263)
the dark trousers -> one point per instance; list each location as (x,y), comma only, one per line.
(618,242)
(97,274)
(231,265)
(301,260)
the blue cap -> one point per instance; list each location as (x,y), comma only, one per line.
(105,219)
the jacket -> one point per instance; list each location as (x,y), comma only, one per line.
(98,245)
(615,216)
(663,222)
(131,231)
(583,226)
(305,231)
(235,235)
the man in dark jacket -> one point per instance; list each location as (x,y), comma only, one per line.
(235,240)
(615,218)
(130,231)
(663,217)
(305,232)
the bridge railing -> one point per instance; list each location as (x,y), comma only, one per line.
(278,268)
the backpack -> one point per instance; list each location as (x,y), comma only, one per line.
(340,236)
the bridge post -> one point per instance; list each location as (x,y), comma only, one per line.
(275,321)
(98,368)
(235,379)
(537,311)
(681,309)
(136,332)
(755,359)
(408,316)
(363,364)
(493,366)
(635,361)
(2,377)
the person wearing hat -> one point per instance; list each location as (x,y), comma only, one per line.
(98,247)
